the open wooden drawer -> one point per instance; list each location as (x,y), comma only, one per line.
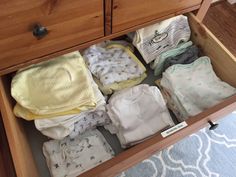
(224,64)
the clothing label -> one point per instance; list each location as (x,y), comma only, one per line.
(174,129)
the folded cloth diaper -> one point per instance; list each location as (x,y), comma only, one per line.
(57,128)
(124,43)
(89,121)
(109,89)
(114,64)
(73,125)
(58,85)
(189,56)
(195,87)
(153,40)
(159,64)
(72,156)
(171,102)
(60,126)
(22,112)
(137,113)
(181,48)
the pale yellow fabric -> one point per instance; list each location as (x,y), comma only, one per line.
(109,89)
(59,85)
(24,113)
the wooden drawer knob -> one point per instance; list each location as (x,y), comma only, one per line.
(39,31)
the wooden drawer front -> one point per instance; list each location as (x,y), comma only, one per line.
(69,23)
(128,13)
(224,64)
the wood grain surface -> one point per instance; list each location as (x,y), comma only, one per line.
(221,20)
(6,164)
(19,146)
(15,67)
(203,10)
(69,22)
(128,13)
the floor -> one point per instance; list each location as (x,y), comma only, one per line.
(202,154)
(221,20)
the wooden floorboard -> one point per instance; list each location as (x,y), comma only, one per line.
(221,20)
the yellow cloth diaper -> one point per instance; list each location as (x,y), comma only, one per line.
(58,85)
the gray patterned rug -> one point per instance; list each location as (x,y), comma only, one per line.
(203,154)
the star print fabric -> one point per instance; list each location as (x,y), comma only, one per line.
(113,64)
(72,156)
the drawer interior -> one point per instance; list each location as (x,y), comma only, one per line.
(26,142)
